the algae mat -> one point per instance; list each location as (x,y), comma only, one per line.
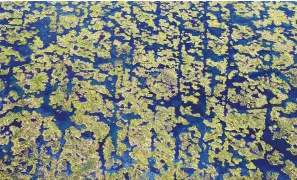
(148,90)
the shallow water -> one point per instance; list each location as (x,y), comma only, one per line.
(148,90)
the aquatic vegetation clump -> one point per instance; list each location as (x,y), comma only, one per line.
(148,90)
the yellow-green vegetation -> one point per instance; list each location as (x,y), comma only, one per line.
(148,90)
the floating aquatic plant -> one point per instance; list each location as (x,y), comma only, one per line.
(148,90)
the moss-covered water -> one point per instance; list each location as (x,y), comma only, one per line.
(148,90)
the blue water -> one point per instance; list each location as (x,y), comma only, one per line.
(62,119)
